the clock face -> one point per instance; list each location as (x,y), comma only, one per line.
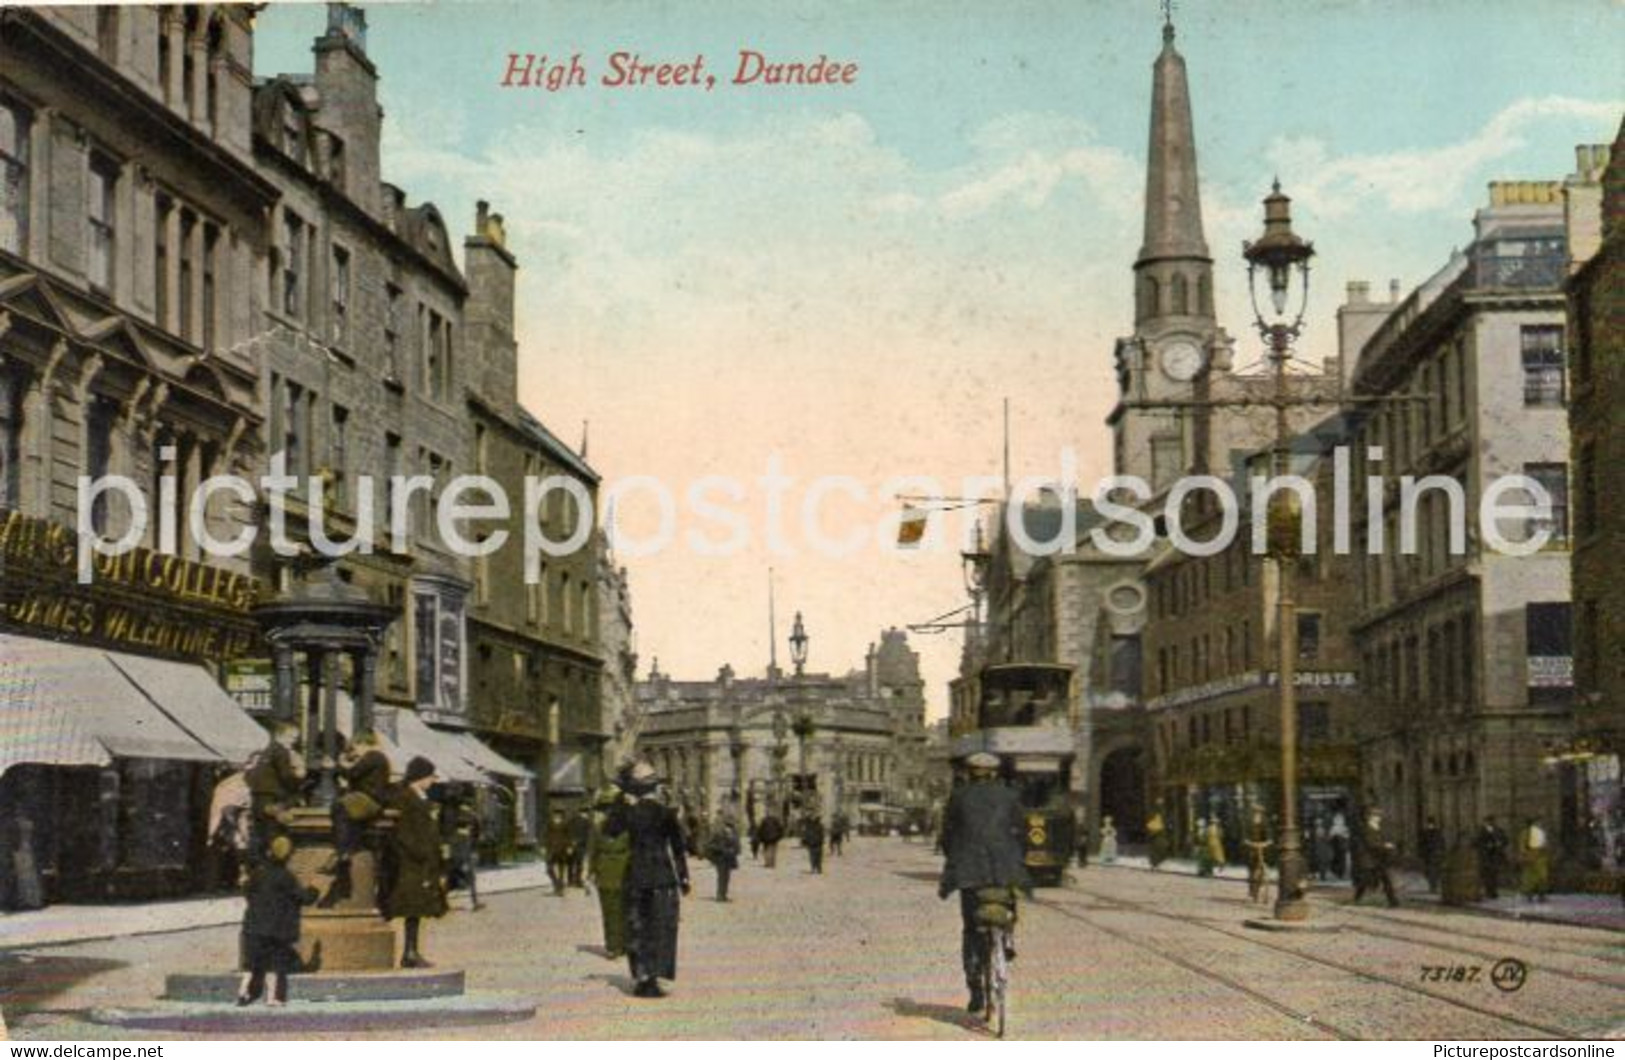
(1182,361)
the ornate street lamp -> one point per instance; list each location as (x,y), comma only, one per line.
(1281,260)
(798,644)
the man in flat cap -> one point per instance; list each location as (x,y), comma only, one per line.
(982,848)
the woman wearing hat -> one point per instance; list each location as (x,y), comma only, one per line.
(655,874)
(607,858)
(418,890)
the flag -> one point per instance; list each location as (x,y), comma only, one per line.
(911,527)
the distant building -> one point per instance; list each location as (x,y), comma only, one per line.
(855,742)
(1597,406)
(617,643)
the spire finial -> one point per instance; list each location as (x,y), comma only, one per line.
(1168,20)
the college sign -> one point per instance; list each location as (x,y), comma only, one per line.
(141,601)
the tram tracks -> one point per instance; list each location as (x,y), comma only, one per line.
(1070,911)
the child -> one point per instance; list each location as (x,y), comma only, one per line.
(271,925)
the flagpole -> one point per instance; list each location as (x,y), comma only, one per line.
(772,632)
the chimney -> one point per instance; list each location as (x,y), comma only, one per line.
(347,86)
(488,315)
(1359,292)
(1393,290)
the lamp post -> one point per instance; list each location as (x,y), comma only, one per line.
(1281,259)
(803,726)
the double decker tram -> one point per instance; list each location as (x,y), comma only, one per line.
(1024,714)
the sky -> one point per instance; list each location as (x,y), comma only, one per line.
(753,282)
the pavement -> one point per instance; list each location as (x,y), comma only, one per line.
(867,951)
(1602,911)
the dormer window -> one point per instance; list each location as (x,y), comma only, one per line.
(293,135)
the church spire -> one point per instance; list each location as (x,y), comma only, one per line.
(1175,250)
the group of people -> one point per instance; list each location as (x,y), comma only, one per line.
(415,870)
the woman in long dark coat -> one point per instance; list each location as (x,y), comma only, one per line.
(418,889)
(656,873)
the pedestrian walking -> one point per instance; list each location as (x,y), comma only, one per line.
(556,841)
(1492,846)
(812,837)
(1376,857)
(607,858)
(656,875)
(722,850)
(1108,840)
(1338,833)
(460,824)
(271,925)
(1257,840)
(769,832)
(1156,831)
(839,826)
(755,842)
(1214,847)
(580,828)
(1320,850)
(1431,846)
(1534,862)
(418,890)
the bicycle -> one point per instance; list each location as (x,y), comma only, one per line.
(996,921)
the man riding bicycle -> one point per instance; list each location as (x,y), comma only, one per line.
(982,847)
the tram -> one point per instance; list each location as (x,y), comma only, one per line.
(1024,714)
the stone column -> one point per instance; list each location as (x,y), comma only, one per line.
(327,790)
(282,687)
(311,718)
(366,667)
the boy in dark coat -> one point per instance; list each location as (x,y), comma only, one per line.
(418,890)
(812,837)
(271,925)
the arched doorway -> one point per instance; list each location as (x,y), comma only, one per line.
(1122,792)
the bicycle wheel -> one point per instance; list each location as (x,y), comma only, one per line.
(998,980)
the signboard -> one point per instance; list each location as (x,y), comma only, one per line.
(1551,671)
(142,601)
(250,683)
(1334,680)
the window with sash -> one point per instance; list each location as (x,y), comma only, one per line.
(1543,365)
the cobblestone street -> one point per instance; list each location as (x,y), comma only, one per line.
(867,951)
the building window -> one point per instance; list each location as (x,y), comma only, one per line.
(1308,636)
(1554,478)
(339,457)
(291,423)
(163,289)
(216,58)
(1586,474)
(340,323)
(14,133)
(1314,723)
(99,420)
(293,135)
(1542,364)
(189,67)
(11,436)
(107,32)
(211,296)
(293,265)
(188,275)
(1549,647)
(392,332)
(99,213)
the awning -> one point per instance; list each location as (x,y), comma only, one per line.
(569,774)
(413,736)
(66,704)
(487,760)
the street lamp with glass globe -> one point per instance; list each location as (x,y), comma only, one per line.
(1280,259)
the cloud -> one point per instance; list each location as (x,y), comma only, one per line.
(1427,179)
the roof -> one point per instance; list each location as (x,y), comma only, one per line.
(555,448)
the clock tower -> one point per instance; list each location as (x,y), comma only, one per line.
(1176,344)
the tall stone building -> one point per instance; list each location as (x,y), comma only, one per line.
(855,742)
(1465,650)
(617,644)
(1596,321)
(132,250)
(361,345)
(534,659)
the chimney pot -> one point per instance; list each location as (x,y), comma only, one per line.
(1358,292)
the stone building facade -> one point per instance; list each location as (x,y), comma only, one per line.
(1596,323)
(617,643)
(362,354)
(1465,650)
(132,243)
(855,742)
